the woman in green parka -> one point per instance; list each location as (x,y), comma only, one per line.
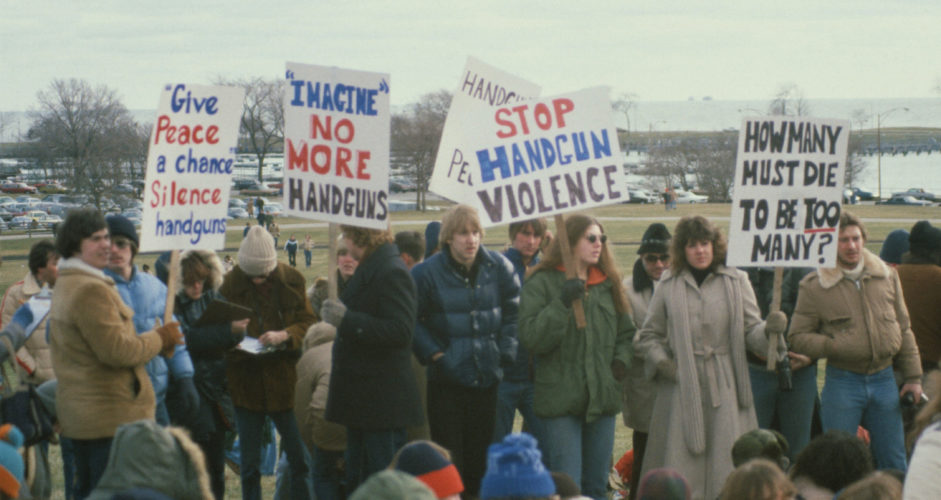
(578,371)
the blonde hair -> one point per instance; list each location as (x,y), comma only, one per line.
(758,479)
(456,219)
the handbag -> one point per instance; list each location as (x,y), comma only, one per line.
(23,408)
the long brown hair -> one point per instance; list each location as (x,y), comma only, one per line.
(575,227)
(696,228)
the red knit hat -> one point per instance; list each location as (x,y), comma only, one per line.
(423,461)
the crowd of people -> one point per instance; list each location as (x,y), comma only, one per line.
(406,382)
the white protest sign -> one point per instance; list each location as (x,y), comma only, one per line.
(544,157)
(481,86)
(189,167)
(336,145)
(787,192)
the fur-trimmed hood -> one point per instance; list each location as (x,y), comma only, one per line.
(210,260)
(872,266)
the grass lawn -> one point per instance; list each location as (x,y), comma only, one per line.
(624,234)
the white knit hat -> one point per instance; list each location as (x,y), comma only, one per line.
(257,256)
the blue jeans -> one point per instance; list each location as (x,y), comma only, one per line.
(510,397)
(251,424)
(307,257)
(91,458)
(795,409)
(582,450)
(284,471)
(328,476)
(369,451)
(850,399)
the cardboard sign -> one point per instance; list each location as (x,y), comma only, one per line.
(544,157)
(336,145)
(189,167)
(787,192)
(481,87)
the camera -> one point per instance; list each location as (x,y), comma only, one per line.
(783,369)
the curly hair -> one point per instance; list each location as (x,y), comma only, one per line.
(367,239)
(693,228)
(834,460)
(575,227)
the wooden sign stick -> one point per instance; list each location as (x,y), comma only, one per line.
(333,232)
(172,277)
(775,306)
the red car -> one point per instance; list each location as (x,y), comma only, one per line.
(17,187)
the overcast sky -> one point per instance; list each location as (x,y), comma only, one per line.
(659,50)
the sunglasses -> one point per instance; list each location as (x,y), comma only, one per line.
(593,238)
(651,258)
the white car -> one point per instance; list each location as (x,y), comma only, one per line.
(688,197)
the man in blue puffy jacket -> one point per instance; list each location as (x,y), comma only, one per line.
(468,299)
(147,296)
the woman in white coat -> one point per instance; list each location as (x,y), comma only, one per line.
(702,317)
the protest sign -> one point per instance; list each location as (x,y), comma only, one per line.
(544,157)
(189,167)
(336,142)
(787,192)
(481,86)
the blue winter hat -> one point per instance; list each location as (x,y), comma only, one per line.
(432,231)
(895,244)
(119,225)
(514,469)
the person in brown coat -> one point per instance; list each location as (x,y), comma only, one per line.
(262,384)
(920,275)
(96,353)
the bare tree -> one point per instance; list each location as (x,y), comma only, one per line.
(83,131)
(789,100)
(625,103)
(262,125)
(709,158)
(855,164)
(416,133)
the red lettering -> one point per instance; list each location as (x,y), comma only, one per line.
(297,159)
(506,123)
(320,150)
(562,106)
(361,165)
(184,134)
(343,162)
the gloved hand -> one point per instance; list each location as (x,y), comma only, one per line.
(332,312)
(618,369)
(666,369)
(776,324)
(572,289)
(188,399)
(171,337)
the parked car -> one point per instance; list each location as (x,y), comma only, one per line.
(258,189)
(3,225)
(51,187)
(20,222)
(690,197)
(29,200)
(642,196)
(242,183)
(273,209)
(905,200)
(236,202)
(237,213)
(862,195)
(48,220)
(5,214)
(17,187)
(917,193)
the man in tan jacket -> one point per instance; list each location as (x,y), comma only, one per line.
(854,315)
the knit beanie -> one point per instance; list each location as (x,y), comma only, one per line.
(257,256)
(421,460)
(663,484)
(432,231)
(924,238)
(119,225)
(11,463)
(656,239)
(514,469)
(392,485)
(895,244)
(760,443)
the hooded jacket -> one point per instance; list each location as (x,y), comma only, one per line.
(862,327)
(34,362)
(310,392)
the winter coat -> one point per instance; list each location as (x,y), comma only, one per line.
(519,370)
(863,328)
(97,355)
(146,295)
(33,360)
(638,392)
(265,382)
(290,246)
(471,319)
(573,367)
(921,284)
(164,460)
(207,347)
(310,392)
(705,329)
(921,478)
(372,385)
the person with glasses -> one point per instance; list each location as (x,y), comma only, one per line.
(578,371)
(700,321)
(147,296)
(639,393)
(262,384)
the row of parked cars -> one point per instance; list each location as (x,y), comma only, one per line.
(31,212)
(639,195)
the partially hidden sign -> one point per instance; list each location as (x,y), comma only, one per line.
(544,157)
(336,145)
(787,192)
(189,167)
(481,87)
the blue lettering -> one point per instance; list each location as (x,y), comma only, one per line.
(487,165)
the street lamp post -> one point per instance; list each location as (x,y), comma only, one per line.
(879,118)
